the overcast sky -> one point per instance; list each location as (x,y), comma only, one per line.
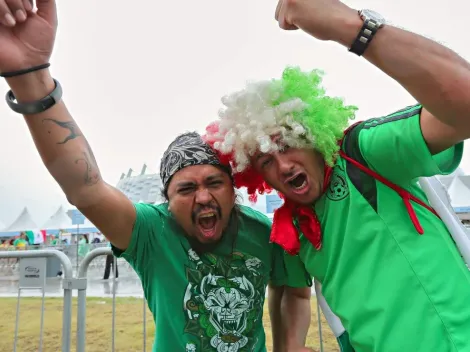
(134,76)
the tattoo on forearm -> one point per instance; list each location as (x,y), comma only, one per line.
(91,174)
(74,131)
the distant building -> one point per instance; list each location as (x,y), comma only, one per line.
(144,188)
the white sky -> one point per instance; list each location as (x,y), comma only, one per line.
(135,76)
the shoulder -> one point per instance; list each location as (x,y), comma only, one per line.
(152,209)
(151,215)
(399,117)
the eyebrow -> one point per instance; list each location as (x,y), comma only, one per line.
(185,184)
(214,177)
(260,155)
(207,179)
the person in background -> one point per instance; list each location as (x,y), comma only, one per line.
(21,243)
(111,261)
(83,246)
(52,240)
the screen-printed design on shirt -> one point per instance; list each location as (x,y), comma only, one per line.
(223,302)
(338,188)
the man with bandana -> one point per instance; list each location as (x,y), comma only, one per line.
(354,214)
(204,261)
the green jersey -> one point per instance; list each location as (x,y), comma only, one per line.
(393,289)
(205,302)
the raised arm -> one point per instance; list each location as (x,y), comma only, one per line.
(434,75)
(60,142)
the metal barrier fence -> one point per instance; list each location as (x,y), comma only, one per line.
(10,268)
(33,271)
(81,309)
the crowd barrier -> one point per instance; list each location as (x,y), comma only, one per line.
(35,266)
(32,271)
(10,268)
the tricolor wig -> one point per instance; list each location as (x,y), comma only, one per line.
(294,107)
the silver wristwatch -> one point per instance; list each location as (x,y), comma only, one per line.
(372,23)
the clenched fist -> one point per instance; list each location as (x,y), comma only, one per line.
(322,19)
(26,35)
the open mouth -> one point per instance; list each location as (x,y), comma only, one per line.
(298,182)
(207,223)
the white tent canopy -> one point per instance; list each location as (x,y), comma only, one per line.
(22,223)
(2,226)
(58,221)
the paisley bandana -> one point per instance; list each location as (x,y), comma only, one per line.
(187,149)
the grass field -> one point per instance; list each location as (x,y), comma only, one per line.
(129,327)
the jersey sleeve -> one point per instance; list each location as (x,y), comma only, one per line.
(144,244)
(394,147)
(296,274)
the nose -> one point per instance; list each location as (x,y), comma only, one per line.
(286,167)
(203,196)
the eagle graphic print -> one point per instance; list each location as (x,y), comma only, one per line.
(223,302)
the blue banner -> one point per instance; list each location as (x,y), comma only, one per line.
(273,201)
(462,210)
(77,217)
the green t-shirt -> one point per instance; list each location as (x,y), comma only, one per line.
(19,242)
(208,302)
(393,289)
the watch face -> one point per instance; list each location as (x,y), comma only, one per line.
(372,15)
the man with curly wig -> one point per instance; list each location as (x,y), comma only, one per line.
(354,215)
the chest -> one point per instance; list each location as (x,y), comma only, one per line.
(360,221)
(212,297)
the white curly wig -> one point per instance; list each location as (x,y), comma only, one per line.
(250,119)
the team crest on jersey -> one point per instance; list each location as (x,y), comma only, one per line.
(338,188)
(223,302)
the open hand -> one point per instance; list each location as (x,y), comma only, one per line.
(26,36)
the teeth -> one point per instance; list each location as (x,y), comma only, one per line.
(208,215)
(301,186)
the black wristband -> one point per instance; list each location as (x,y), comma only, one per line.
(365,36)
(25,71)
(35,107)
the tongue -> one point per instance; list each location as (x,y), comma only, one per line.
(207,223)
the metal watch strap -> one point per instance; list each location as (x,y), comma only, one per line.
(35,107)
(365,36)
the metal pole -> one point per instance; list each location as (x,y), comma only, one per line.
(81,320)
(145,324)
(319,325)
(17,319)
(41,332)
(114,306)
(78,230)
(81,311)
(68,274)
